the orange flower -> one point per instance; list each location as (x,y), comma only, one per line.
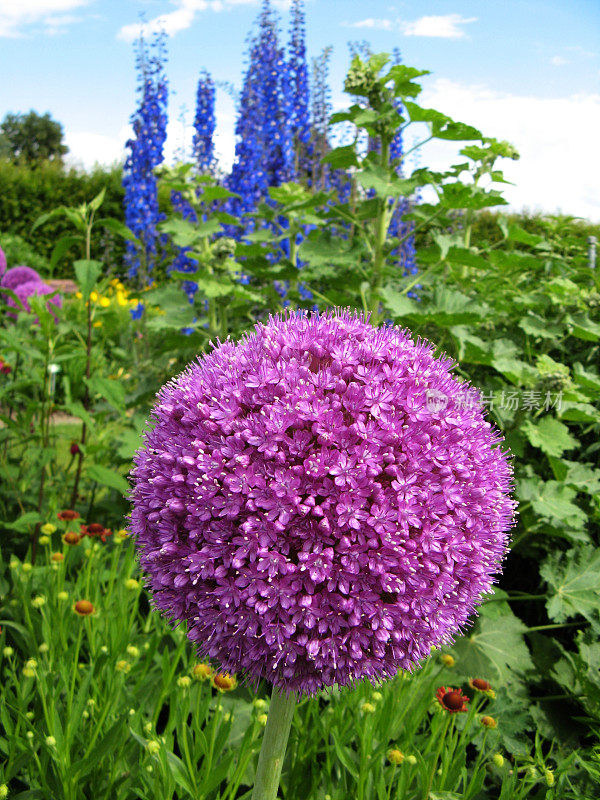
(224,682)
(489,722)
(71,538)
(83,608)
(451,700)
(67,515)
(57,557)
(480,685)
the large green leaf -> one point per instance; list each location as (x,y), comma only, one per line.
(550,435)
(87,273)
(573,580)
(108,477)
(495,648)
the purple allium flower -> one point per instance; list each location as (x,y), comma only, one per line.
(19,275)
(321,502)
(30,289)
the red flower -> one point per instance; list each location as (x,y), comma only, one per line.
(451,700)
(95,530)
(480,685)
(74,449)
(67,515)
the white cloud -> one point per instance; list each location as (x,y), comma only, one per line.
(558,61)
(556,138)
(87,149)
(444,27)
(15,15)
(182,17)
(381,24)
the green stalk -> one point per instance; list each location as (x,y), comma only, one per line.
(277,731)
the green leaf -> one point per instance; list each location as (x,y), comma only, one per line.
(87,273)
(495,648)
(573,580)
(24,523)
(118,228)
(341,157)
(110,390)
(555,502)
(64,244)
(550,435)
(399,304)
(98,200)
(108,477)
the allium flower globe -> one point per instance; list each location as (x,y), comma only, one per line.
(310,512)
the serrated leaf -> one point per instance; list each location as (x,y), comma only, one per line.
(550,435)
(495,648)
(555,502)
(573,580)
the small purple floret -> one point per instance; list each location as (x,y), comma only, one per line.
(321,502)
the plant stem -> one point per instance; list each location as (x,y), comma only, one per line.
(270,761)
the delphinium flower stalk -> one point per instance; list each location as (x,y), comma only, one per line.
(321,502)
(264,153)
(145,153)
(298,89)
(204,123)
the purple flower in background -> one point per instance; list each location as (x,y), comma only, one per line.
(310,511)
(2,263)
(25,291)
(18,275)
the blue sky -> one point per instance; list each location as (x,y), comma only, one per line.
(523,70)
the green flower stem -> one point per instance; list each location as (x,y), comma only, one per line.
(277,731)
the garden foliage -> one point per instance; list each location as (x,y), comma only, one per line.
(112,704)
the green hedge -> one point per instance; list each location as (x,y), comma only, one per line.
(28,192)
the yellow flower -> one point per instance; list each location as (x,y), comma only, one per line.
(121,299)
(104,302)
(202,672)
(395,756)
(98,323)
(489,722)
(121,535)
(48,529)
(94,296)
(122,666)
(78,295)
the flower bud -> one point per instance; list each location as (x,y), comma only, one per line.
(50,741)
(448,660)
(153,747)
(498,759)
(44,540)
(38,601)
(184,682)
(412,760)
(395,756)
(48,529)
(262,719)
